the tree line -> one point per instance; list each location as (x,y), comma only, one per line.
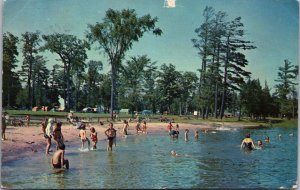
(221,84)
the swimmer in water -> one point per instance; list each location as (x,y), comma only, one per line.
(173,153)
(186,135)
(196,135)
(267,139)
(247,143)
(259,144)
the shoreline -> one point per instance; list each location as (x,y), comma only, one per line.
(27,141)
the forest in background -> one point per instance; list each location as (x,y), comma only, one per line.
(220,85)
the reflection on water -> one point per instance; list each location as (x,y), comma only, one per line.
(214,160)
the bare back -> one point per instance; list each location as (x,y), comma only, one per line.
(56,159)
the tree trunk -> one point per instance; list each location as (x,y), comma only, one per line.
(216,101)
(240,109)
(113,90)
(225,80)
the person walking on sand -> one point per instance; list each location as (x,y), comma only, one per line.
(48,134)
(58,160)
(111,135)
(94,137)
(83,137)
(3,127)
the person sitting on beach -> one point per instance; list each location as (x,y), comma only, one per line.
(3,126)
(111,135)
(170,127)
(267,139)
(57,134)
(186,135)
(125,127)
(94,137)
(196,134)
(247,143)
(144,128)
(58,160)
(138,128)
(83,138)
(48,134)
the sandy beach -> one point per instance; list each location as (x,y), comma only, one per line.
(26,141)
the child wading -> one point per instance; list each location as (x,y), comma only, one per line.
(111,135)
(82,135)
(94,137)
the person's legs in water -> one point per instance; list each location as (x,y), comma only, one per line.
(48,145)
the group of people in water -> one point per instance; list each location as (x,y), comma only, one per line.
(52,129)
(248,144)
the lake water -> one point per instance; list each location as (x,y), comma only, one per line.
(214,161)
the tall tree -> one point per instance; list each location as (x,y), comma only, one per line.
(116,35)
(234,60)
(11,81)
(71,51)
(284,89)
(30,49)
(168,86)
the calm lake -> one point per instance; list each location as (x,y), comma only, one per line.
(138,161)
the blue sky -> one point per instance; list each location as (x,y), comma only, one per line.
(271,24)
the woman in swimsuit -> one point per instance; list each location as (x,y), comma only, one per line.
(111,135)
(94,137)
(57,134)
(247,143)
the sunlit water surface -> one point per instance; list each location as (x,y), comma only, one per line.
(139,161)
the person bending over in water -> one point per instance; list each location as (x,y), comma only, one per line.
(82,135)
(111,135)
(58,160)
(247,143)
(94,137)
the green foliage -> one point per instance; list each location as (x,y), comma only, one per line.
(116,35)
(11,83)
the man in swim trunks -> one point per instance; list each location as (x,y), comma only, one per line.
(58,160)
(111,135)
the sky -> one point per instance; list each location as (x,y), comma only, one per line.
(273,26)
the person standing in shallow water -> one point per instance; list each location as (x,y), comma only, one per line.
(111,135)
(48,134)
(247,143)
